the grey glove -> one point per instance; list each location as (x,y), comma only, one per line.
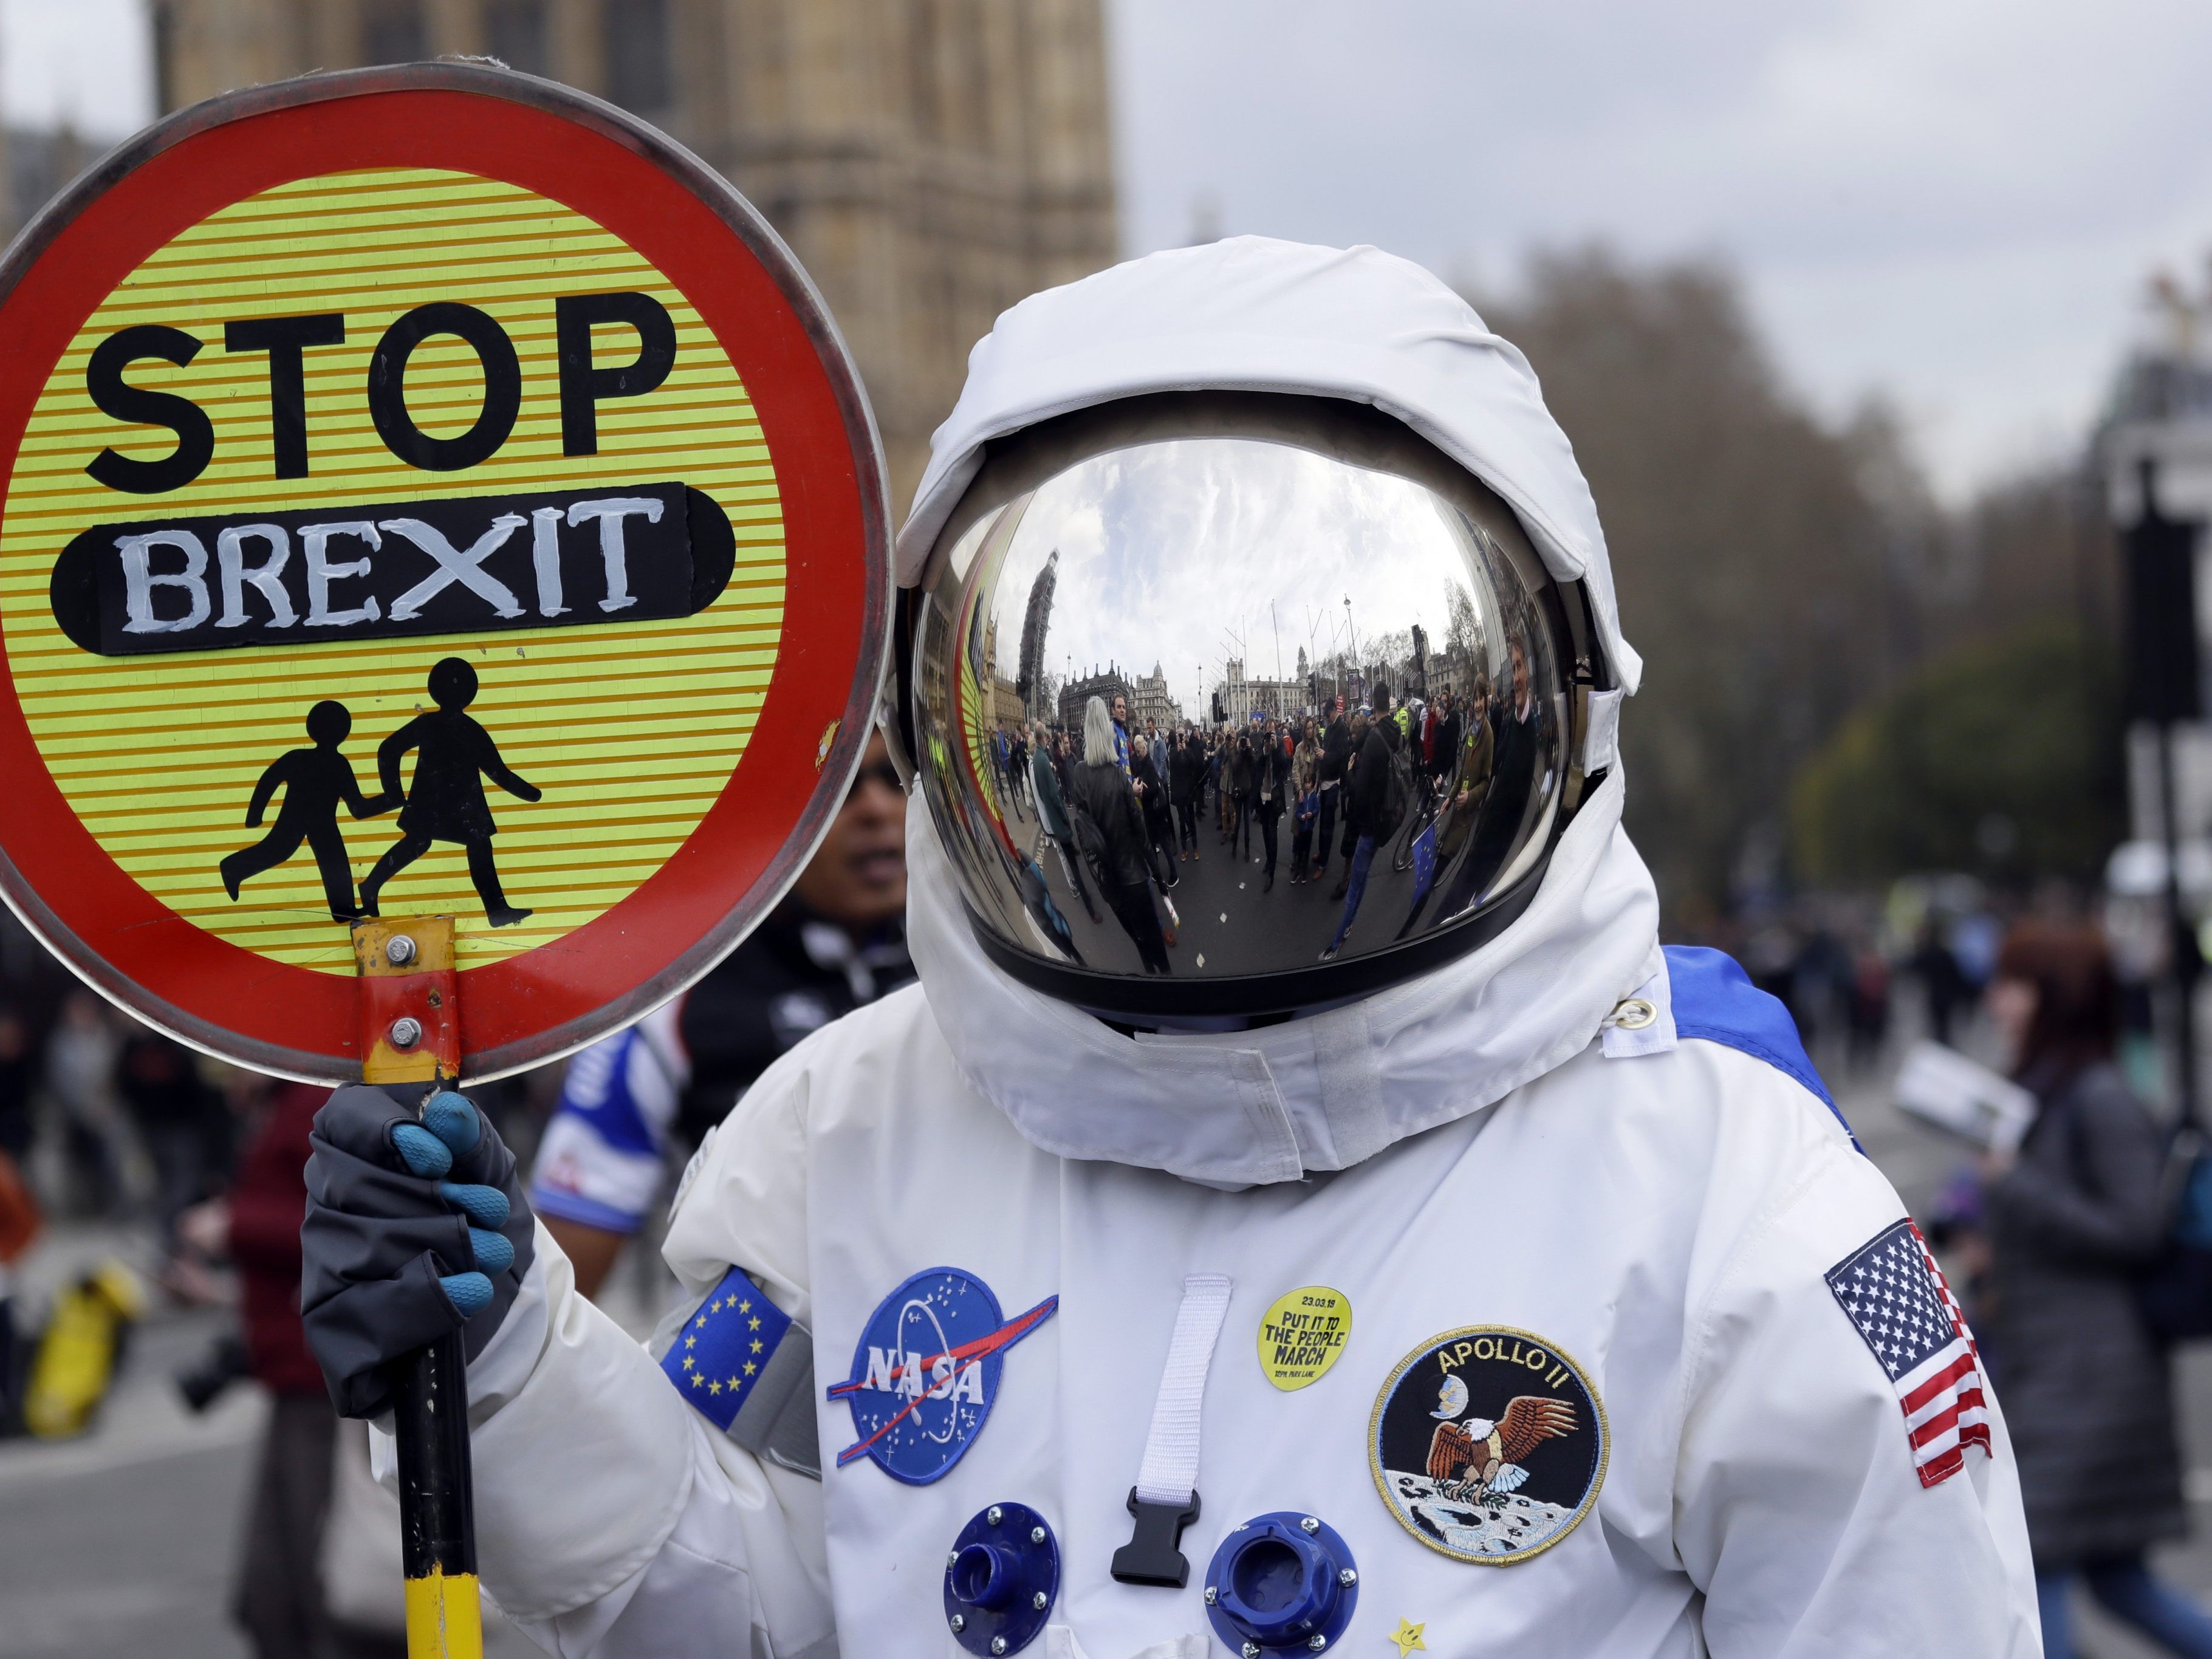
(414,1229)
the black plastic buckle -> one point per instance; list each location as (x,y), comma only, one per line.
(1153,1555)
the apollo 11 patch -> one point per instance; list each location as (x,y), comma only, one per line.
(1488,1443)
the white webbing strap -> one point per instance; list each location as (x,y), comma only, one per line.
(1169,1473)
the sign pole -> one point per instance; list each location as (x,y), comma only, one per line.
(410,1035)
(437,1504)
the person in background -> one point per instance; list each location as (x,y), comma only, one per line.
(1186,790)
(1336,744)
(1271,781)
(18,1068)
(277,1599)
(184,1124)
(1018,766)
(1052,818)
(19,1220)
(2073,1219)
(1121,731)
(1366,789)
(1239,777)
(1150,778)
(80,1081)
(633,1102)
(1943,982)
(1305,797)
(1102,792)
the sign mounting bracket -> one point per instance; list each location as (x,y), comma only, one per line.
(411,1008)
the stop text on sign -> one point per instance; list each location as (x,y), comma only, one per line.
(584,384)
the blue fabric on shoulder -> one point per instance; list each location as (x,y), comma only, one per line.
(1714,998)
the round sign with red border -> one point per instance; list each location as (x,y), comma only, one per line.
(427,491)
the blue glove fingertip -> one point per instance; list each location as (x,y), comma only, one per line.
(423,1153)
(492,1253)
(453,1118)
(485,1206)
(469,1292)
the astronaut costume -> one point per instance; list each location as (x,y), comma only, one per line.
(1534,1298)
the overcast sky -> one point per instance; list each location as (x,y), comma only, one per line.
(1953,202)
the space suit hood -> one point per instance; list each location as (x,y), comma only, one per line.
(1322,1092)
(1255,314)
(1329,1090)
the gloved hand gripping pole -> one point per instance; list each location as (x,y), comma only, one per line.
(410,1034)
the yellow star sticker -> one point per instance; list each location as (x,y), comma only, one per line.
(1408,1637)
(749,1368)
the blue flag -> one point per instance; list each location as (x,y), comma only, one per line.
(717,1360)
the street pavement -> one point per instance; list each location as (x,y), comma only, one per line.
(124,1543)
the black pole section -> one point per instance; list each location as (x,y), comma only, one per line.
(437,1506)
(2181,938)
(2166,685)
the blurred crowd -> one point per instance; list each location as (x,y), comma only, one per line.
(1437,784)
(193,1167)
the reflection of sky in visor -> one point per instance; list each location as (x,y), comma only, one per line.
(1170,549)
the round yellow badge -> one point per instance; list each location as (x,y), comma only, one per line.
(1302,1334)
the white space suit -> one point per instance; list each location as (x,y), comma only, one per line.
(1036,1254)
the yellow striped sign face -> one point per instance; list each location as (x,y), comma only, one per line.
(428,494)
(630,729)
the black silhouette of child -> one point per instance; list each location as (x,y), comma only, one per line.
(314,781)
(446,801)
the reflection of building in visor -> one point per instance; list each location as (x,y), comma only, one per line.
(1359,741)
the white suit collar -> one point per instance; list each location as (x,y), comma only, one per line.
(1324,1092)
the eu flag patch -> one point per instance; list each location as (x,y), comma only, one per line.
(719,1360)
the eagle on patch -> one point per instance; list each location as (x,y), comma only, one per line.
(1479,1456)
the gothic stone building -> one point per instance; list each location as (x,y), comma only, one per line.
(930,161)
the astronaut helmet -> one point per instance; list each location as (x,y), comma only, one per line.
(1228,700)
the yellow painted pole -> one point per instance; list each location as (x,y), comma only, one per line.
(410,1034)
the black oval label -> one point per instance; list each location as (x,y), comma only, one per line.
(555,559)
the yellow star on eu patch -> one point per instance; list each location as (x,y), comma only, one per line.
(701,1322)
(744,1307)
(687,1362)
(735,1385)
(1408,1637)
(697,1379)
(714,1306)
(713,1388)
(750,1368)
(752,1324)
(756,1345)
(690,1342)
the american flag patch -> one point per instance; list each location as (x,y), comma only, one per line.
(1895,1294)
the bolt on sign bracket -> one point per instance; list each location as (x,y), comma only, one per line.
(410,1012)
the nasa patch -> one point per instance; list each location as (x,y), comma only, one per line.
(1488,1443)
(925,1371)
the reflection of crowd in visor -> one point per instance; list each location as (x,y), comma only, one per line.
(1440,788)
